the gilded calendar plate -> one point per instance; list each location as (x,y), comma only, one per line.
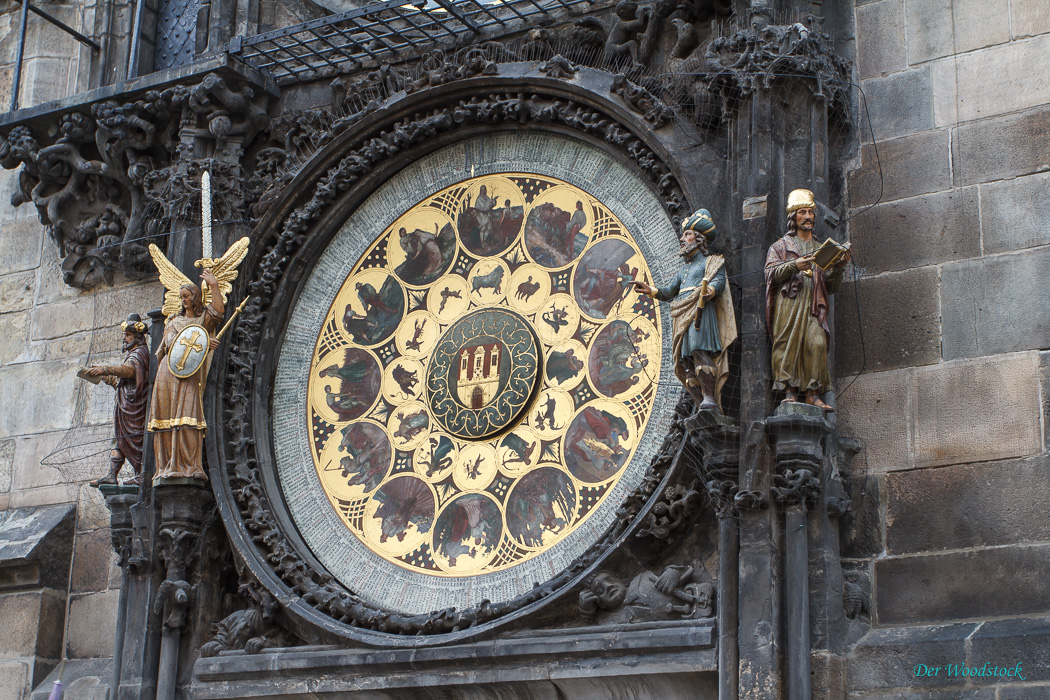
(469,385)
(518,367)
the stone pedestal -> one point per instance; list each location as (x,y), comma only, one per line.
(797,432)
(718,439)
(135,649)
(181,503)
(121,527)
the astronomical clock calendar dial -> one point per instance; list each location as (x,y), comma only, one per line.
(480,379)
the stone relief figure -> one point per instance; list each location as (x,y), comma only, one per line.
(797,306)
(252,630)
(648,597)
(622,44)
(131,380)
(702,309)
(192,314)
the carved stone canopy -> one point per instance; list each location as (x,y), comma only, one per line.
(115,169)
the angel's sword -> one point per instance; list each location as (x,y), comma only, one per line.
(236,311)
(206,215)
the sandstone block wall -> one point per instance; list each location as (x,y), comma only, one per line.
(47,332)
(949,395)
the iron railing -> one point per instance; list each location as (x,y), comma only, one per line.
(20,50)
(386,31)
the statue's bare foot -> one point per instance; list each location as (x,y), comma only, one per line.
(110,478)
(135,480)
(813,400)
(790,397)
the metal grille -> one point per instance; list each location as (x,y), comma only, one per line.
(176,33)
(387,31)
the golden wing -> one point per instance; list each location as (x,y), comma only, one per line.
(225,269)
(171,278)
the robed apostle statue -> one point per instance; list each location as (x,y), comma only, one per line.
(131,380)
(702,313)
(797,306)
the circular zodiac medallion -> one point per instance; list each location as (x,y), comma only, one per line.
(482,373)
(480,383)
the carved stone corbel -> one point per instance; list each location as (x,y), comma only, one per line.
(98,174)
(797,432)
(717,443)
(121,525)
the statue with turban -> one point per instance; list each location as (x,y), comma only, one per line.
(702,313)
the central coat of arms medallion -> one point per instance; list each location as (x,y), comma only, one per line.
(482,373)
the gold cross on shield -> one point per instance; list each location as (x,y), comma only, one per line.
(190,344)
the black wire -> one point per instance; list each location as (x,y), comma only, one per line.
(168,233)
(860,334)
(856,285)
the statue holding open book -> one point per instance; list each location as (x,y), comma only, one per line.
(131,380)
(801,273)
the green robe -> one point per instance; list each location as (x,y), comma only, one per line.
(689,276)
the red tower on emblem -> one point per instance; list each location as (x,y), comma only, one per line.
(478,377)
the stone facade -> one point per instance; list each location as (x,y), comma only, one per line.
(950,404)
(942,359)
(49,331)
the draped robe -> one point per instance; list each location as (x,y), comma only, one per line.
(177,409)
(131,380)
(797,316)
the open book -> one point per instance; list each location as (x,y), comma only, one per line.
(829,253)
(84,375)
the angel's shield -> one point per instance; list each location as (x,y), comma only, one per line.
(187,353)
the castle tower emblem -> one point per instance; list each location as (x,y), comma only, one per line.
(477,378)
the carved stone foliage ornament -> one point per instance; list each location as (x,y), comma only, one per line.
(117,174)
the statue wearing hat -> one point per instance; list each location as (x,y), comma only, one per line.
(702,313)
(130,379)
(797,306)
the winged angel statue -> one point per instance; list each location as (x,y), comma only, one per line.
(191,315)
